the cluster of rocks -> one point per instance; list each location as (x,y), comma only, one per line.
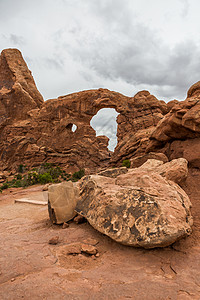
(141,206)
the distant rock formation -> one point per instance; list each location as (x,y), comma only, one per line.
(33,131)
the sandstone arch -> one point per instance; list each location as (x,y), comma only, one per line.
(38,133)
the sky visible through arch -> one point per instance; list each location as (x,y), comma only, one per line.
(104,123)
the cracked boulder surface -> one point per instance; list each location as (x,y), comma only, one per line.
(33,131)
(31,268)
(141,208)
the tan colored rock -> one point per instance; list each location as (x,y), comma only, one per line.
(175,170)
(54,240)
(89,249)
(114,172)
(45,187)
(140,160)
(91,241)
(62,199)
(65,225)
(139,208)
(72,249)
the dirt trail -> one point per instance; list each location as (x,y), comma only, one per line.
(30,268)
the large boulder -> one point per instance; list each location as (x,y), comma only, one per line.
(62,199)
(139,208)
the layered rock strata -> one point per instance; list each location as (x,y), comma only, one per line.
(33,131)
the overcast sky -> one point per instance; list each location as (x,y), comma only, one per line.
(122,45)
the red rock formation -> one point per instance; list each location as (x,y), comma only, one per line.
(18,92)
(33,131)
(178,133)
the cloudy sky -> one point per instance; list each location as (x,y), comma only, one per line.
(122,45)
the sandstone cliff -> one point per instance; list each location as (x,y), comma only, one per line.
(178,133)
(33,131)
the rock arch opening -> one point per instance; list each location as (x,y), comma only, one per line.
(71,127)
(104,123)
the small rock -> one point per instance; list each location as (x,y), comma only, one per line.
(91,241)
(65,225)
(73,249)
(45,187)
(13,279)
(54,240)
(79,219)
(89,249)
(97,254)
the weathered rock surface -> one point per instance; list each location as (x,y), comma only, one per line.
(139,208)
(62,199)
(140,160)
(178,133)
(33,131)
(114,172)
(18,92)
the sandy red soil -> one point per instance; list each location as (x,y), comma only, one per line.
(31,268)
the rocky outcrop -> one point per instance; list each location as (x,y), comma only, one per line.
(178,133)
(18,92)
(114,172)
(33,131)
(62,199)
(143,207)
(140,160)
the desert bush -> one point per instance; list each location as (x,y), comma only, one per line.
(44,174)
(126,163)
(78,175)
(45,178)
(5,186)
(21,168)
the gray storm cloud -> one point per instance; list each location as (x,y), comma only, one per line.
(124,45)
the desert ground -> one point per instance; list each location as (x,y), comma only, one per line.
(31,268)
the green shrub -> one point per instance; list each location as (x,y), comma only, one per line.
(5,186)
(126,163)
(78,175)
(19,176)
(17,183)
(32,178)
(21,168)
(45,178)
(44,174)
